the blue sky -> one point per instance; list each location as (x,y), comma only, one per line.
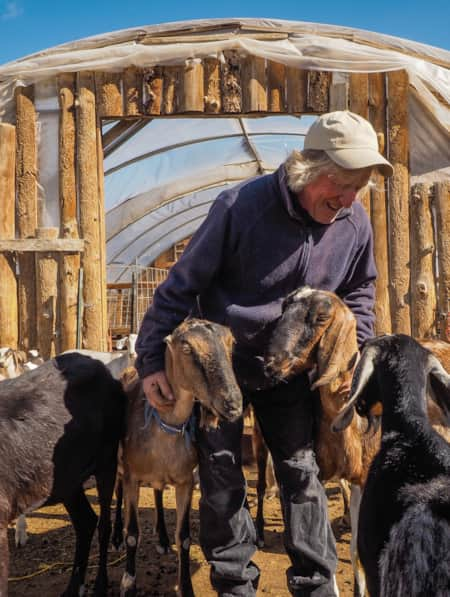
(27,26)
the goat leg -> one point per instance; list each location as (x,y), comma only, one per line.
(84,521)
(4,560)
(117,536)
(131,534)
(183,495)
(163,545)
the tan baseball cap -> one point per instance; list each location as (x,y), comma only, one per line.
(349,140)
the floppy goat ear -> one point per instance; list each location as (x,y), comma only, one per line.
(336,350)
(364,375)
(439,385)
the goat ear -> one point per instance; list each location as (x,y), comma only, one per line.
(332,354)
(439,385)
(364,374)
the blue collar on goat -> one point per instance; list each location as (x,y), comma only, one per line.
(187,429)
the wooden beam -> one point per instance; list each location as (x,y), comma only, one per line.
(296,90)
(211,85)
(9,325)
(253,81)
(442,202)
(132,91)
(231,83)
(36,245)
(171,85)
(47,295)
(398,154)
(153,90)
(26,212)
(108,90)
(318,99)
(191,91)
(359,103)
(276,86)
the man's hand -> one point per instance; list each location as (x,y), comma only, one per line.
(158,391)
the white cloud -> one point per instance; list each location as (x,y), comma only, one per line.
(11,10)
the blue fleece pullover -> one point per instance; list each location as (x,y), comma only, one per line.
(255,246)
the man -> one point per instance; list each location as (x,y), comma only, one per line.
(262,239)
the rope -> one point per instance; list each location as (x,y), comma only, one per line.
(46,567)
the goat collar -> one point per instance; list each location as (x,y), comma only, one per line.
(186,429)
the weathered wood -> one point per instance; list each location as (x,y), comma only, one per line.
(359,104)
(171,85)
(153,90)
(398,151)
(296,90)
(377,116)
(26,211)
(192,96)
(102,238)
(46,296)
(231,83)
(318,91)
(276,86)
(109,101)
(90,225)
(339,91)
(423,292)
(36,245)
(442,203)
(253,81)
(9,325)
(211,85)
(132,91)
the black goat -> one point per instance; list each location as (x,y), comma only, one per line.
(59,424)
(403,530)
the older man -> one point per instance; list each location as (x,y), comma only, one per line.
(262,239)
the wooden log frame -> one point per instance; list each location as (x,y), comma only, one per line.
(442,202)
(46,296)
(26,210)
(231,83)
(296,90)
(423,292)
(9,326)
(398,153)
(211,86)
(253,84)
(359,103)
(378,209)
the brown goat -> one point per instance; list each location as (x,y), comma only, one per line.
(317,331)
(198,367)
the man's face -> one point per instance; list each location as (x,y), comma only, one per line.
(324,197)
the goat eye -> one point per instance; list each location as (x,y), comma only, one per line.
(186,348)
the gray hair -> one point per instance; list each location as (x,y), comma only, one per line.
(302,167)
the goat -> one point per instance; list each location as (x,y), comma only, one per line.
(59,424)
(198,366)
(318,331)
(11,362)
(403,530)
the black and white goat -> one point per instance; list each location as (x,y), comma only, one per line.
(59,424)
(404,519)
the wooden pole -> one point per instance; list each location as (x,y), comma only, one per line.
(171,85)
(9,325)
(423,292)
(276,86)
(69,265)
(132,91)
(46,296)
(253,79)
(296,90)
(231,83)
(211,86)
(398,154)
(442,202)
(318,99)
(378,209)
(192,96)
(26,214)
(90,214)
(359,103)
(153,90)
(109,101)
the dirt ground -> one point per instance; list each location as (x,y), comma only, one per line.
(42,567)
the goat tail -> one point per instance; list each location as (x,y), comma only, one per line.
(415,560)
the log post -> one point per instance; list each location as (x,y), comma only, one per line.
(423,293)
(378,208)
(153,90)
(296,90)
(318,99)
(211,86)
(26,214)
(132,91)
(276,86)
(359,104)
(108,89)
(231,83)
(46,295)
(90,215)
(398,154)
(442,202)
(192,96)
(171,85)
(9,325)
(253,78)
(69,265)
(339,91)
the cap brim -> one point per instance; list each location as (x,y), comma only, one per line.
(353,159)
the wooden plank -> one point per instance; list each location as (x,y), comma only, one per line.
(423,292)
(318,91)
(132,91)
(276,86)
(442,203)
(359,103)
(102,233)
(153,90)
(26,212)
(231,83)
(90,226)
(377,116)
(339,91)
(296,90)
(211,85)
(253,81)
(36,245)
(108,90)
(398,151)
(171,85)
(191,91)
(9,325)
(47,295)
